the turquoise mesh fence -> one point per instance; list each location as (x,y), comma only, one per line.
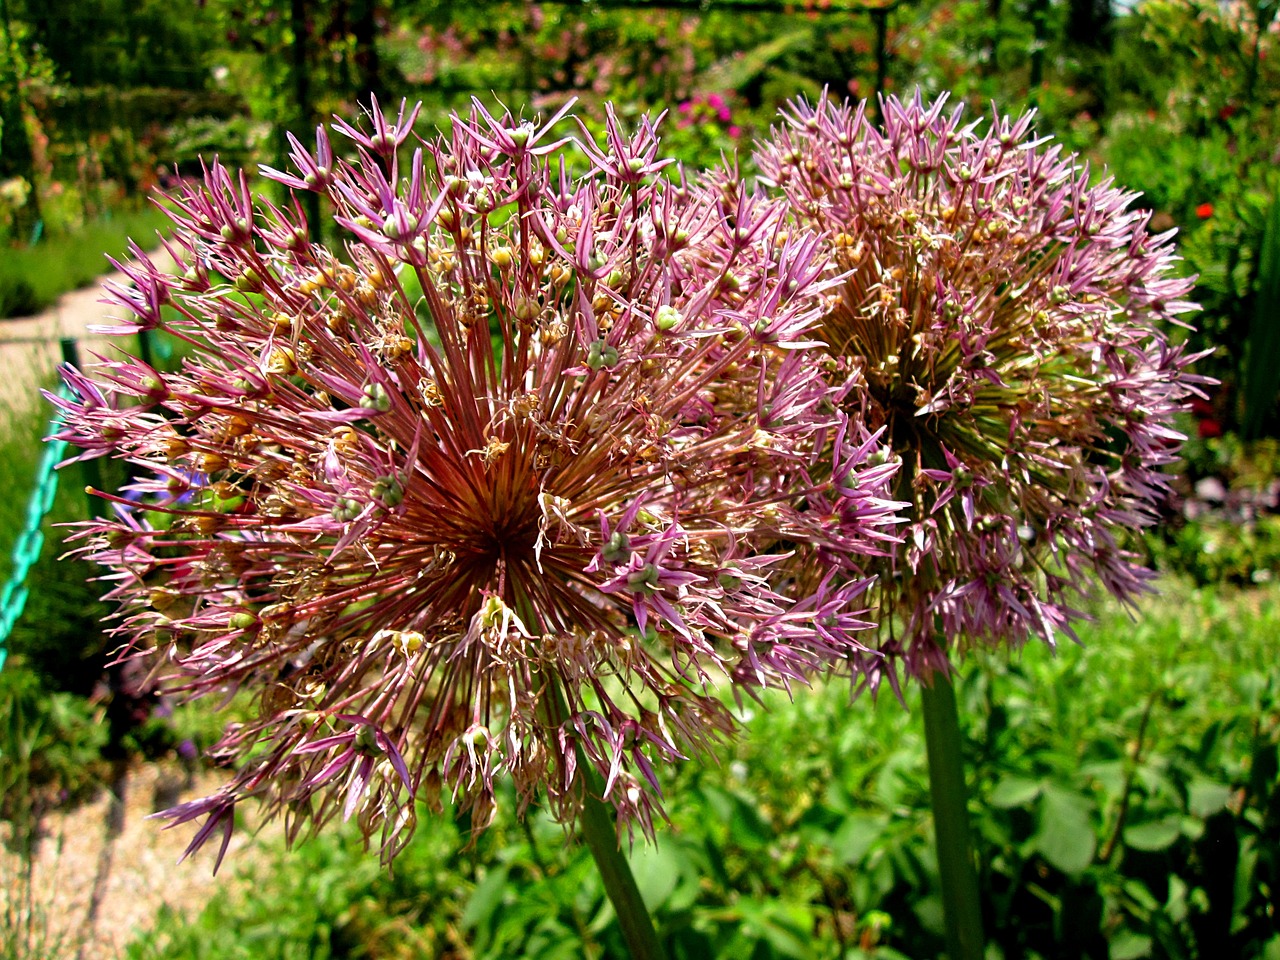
(13,598)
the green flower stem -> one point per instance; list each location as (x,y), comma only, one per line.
(597,827)
(961,908)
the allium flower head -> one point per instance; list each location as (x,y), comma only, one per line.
(486,492)
(999,319)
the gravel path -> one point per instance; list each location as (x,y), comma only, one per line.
(104,870)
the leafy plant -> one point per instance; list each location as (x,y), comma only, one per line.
(34,278)
(1262,372)
(1124,794)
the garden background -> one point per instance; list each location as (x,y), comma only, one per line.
(1123,791)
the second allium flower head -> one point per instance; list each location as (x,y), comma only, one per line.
(498,491)
(1003,319)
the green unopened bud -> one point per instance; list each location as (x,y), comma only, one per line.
(345,510)
(389,490)
(644,580)
(366,740)
(526,309)
(520,135)
(667,318)
(237,231)
(153,387)
(729,583)
(375,395)
(618,548)
(393,229)
(988,524)
(249,281)
(242,621)
(601,355)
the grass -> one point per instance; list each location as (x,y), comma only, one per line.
(1123,794)
(33,278)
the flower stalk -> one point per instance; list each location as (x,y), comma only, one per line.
(949,798)
(601,834)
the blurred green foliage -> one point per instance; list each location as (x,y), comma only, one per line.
(1124,794)
(32,279)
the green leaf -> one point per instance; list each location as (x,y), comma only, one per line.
(855,837)
(929,912)
(746,826)
(1262,374)
(1127,945)
(485,898)
(657,871)
(1154,836)
(1065,836)
(1205,797)
(1013,792)
(786,928)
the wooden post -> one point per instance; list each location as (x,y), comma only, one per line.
(880,17)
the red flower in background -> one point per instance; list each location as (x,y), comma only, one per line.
(1204,211)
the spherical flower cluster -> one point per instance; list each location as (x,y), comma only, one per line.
(498,488)
(998,317)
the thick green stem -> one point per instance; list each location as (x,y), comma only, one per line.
(598,830)
(597,827)
(961,908)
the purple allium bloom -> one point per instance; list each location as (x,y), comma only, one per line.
(1001,319)
(497,486)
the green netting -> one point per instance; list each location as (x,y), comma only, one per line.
(13,598)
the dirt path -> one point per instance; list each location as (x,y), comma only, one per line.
(30,349)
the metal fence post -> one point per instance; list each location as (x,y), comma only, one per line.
(90,469)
